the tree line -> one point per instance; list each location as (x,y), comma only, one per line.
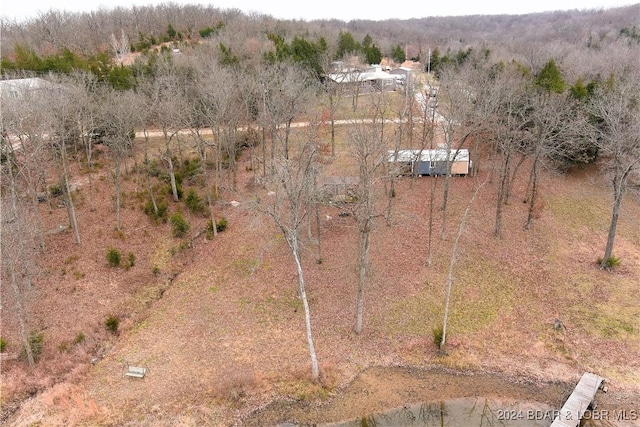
(85,34)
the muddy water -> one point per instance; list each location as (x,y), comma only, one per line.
(506,401)
(468,412)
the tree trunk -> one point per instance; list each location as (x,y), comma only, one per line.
(89,151)
(618,184)
(447,183)
(333,126)
(73,222)
(502,188)
(287,133)
(21,314)
(231,152)
(33,187)
(362,275)
(445,199)
(319,228)
(511,180)
(534,193)
(432,201)
(264,153)
(205,174)
(118,190)
(172,176)
(390,196)
(293,242)
(148,169)
(40,231)
(452,262)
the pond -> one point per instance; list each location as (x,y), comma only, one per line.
(468,412)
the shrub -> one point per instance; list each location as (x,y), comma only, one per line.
(610,263)
(221,225)
(36,341)
(248,139)
(131,260)
(193,201)
(190,167)
(56,190)
(114,257)
(155,169)
(160,215)
(233,384)
(179,225)
(112,322)
(79,339)
(3,345)
(437,335)
(178,187)
(71,259)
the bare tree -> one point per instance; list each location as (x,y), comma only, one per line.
(289,90)
(18,243)
(84,88)
(368,146)
(456,107)
(291,183)
(403,138)
(63,133)
(551,138)
(426,140)
(121,46)
(166,104)
(26,149)
(477,98)
(452,262)
(250,97)
(207,107)
(229,114)
(509,128)
(119,118)
(487,102)
(334,92)
(460,108)
(616,133)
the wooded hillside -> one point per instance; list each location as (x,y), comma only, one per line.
(217,198)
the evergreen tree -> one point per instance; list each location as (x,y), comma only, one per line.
(398,54)
(550,78)
(347,45)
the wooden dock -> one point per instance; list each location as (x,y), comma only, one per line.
(579,401)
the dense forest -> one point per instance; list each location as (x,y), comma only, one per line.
(148,124)
(565,35)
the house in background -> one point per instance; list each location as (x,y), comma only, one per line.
(429,162)
(411,65)
(373,77)
(401,74)
(18,88)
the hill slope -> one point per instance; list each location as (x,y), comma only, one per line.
(220,329)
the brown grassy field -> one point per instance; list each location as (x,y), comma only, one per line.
(220,328)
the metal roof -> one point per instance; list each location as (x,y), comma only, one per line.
(360,76)
(18,87)
(439,154)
